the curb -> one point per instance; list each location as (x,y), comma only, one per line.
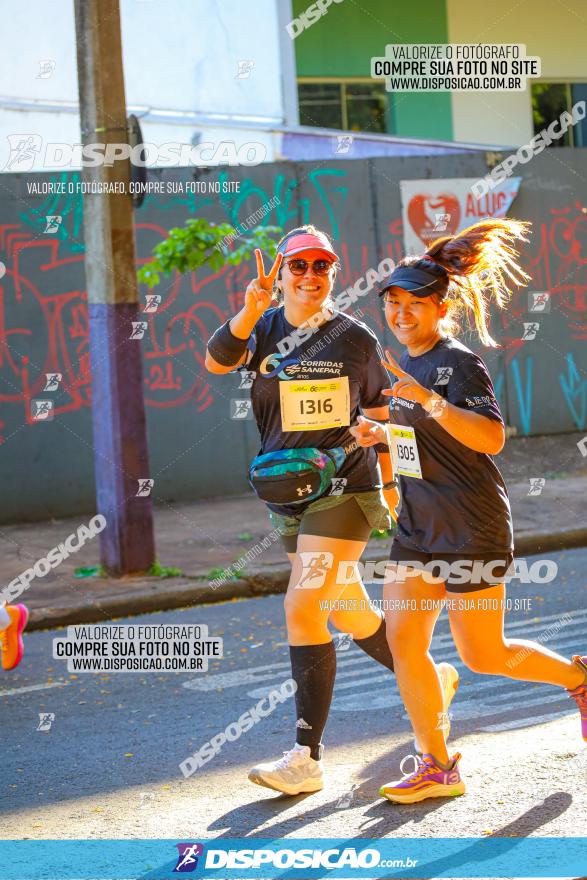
(145,597)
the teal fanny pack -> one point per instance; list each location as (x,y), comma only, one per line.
(296,476)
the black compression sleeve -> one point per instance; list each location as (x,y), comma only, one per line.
(226,348)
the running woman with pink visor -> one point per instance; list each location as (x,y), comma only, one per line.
(323,491)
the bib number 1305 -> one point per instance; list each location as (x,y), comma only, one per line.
(404,451)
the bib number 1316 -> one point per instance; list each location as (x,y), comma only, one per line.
(314,405)
(311,407)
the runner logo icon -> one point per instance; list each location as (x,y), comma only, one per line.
(444,374)
(188,857)
(315,567)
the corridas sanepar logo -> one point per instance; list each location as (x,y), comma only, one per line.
(187,861)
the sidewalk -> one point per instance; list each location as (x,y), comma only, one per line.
(204,537)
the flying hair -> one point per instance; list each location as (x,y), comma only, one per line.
(481,263)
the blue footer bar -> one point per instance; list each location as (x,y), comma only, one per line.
(295,858)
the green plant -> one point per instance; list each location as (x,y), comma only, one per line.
(163,571)
(85,571)
(379,534)
(244,536)
(216,573)
(200,243)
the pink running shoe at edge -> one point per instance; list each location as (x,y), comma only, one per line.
(580,695)
(427,780)
(11,646)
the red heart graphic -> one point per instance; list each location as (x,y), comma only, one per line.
(425,212)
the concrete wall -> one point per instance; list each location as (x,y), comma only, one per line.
(196,449)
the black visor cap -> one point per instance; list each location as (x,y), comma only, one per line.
(417,281)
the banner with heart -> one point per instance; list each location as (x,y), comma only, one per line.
(434,208)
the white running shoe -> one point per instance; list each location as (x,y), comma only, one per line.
(295,773)
(449,678)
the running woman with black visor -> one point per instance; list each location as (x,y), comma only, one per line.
(323,491)
(445,426)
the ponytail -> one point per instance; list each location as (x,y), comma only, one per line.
(480,262)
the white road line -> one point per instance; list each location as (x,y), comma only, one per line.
(256,675)
(33,687)
(522,722)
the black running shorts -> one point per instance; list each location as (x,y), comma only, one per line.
(462,573)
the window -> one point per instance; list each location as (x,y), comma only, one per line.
(350,106)
(549,100)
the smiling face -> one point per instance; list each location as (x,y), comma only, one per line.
(413,320)
(307,291)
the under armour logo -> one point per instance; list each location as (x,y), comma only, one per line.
(306,490)
(303,725)
(536,485)
(145,487)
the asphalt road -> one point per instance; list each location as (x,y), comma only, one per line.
(108,764)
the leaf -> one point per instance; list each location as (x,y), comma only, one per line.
(200,243)
(86,571)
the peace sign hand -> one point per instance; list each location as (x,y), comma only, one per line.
(259,292)
(406,386)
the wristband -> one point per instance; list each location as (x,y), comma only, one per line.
(382,448)
(226,348)
(393,484)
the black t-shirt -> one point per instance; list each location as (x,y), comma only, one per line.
(341,347)
(461,504)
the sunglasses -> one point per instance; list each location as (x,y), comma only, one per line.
(319,267)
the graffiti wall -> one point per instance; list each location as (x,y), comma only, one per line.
(197,450)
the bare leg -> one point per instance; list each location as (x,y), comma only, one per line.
(479,637)
(409,634)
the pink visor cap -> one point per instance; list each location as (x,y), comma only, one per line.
(307,241)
